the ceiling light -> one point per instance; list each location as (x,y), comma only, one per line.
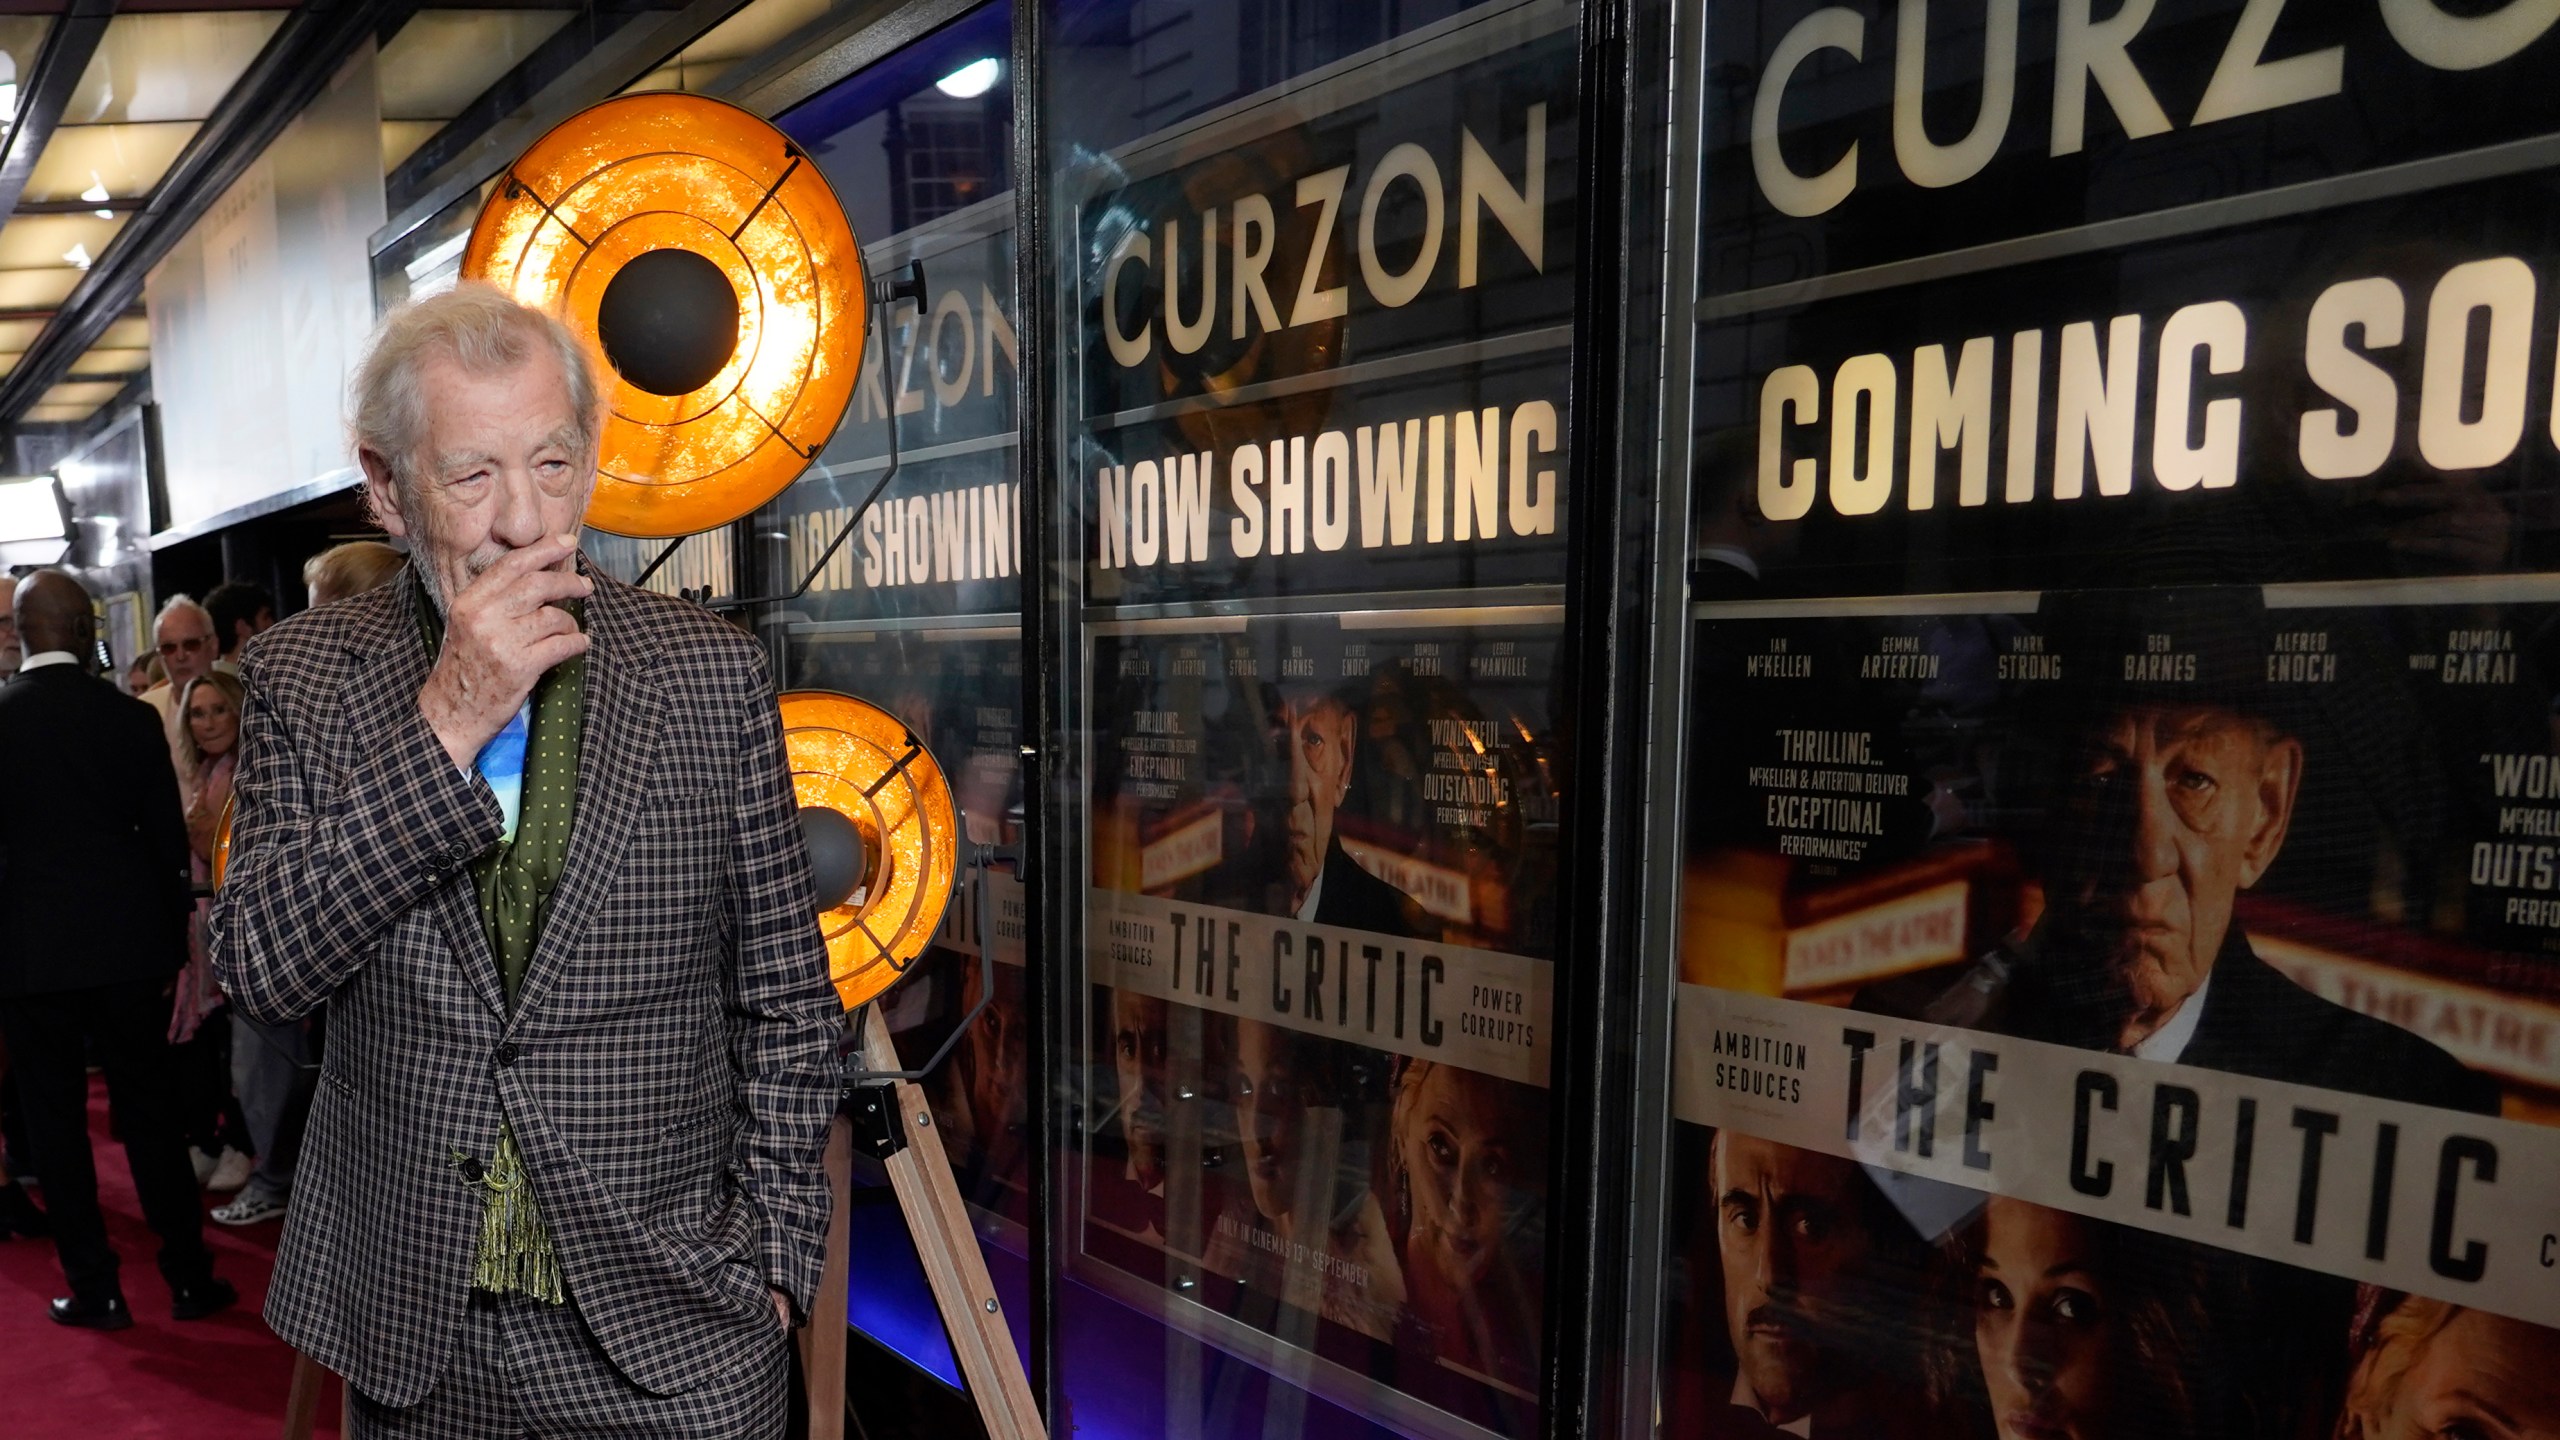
(77,255)
(971,80)
(8,99)
(31,508)
(96,194)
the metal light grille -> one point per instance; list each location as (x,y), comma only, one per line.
(853,757)
(672,171)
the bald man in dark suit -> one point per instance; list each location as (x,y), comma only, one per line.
(93,814)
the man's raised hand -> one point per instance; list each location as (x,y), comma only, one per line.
(501,635)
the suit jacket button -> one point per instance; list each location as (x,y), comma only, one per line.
(507,1053)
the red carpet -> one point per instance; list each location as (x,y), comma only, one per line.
(217,1379)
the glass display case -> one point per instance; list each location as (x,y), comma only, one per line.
(2112,950)
(904,532)
(1313,308)
(1772,717)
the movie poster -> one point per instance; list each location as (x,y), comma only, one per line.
(2118,963)
(916,608)
(1321,930)
(959,689)
(2217,916)
(1316,426)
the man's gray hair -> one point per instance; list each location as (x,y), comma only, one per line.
(477,327)
(182,605)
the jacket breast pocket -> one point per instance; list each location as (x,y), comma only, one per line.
(687,797)
(689,1126)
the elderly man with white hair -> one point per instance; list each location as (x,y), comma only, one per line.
(529,834)
(184,633)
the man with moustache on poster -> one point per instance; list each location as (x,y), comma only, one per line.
(1819,1278)
(1142,1060)
(1305,1129)
(2175,768)
(1320,733)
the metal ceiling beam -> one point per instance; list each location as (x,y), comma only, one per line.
(77,207)
(68,44)
(621,58)
(297,63)
(511,92)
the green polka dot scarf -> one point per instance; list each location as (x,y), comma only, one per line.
(515,880)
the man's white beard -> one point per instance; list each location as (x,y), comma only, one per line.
(434,588)
(425,559)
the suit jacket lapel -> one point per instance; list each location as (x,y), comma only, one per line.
(625,698)
(2235,1032)
(390,664)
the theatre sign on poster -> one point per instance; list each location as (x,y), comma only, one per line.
(2121,940)
(1322,462)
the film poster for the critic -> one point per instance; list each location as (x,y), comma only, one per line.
(1321,922)
(2121,972)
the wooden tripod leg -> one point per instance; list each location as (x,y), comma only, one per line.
(302,1397)
(920,1173)
(822,1342)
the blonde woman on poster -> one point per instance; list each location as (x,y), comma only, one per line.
(1467,1173)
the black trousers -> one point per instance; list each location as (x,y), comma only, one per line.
(209,1117)
(17,1150)
(126,1025)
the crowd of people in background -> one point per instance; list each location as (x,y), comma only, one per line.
(205,1099)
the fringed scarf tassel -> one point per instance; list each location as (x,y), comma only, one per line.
(515,1247)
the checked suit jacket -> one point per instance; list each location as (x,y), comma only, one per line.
(668,1065)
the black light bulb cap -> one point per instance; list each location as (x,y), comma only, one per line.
(668,321)
(836,858)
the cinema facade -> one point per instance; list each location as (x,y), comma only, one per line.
(1709,719)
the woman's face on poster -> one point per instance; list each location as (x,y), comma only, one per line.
(1457,1157)
(2482,1377)
(2041,1324)
(995,1051)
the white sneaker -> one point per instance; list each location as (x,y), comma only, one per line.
(232,1172)
(250,1208)
(204,1165)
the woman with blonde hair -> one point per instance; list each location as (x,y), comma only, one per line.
(207,725)
(208,743)
(267,1062)
(2428,1368)
(204,733)
(350,569)
(1467,1204)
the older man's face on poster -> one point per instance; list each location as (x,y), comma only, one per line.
(2167,814)
(1318,736)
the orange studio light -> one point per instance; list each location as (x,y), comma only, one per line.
(699,249)
(222,840)
(882,834)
